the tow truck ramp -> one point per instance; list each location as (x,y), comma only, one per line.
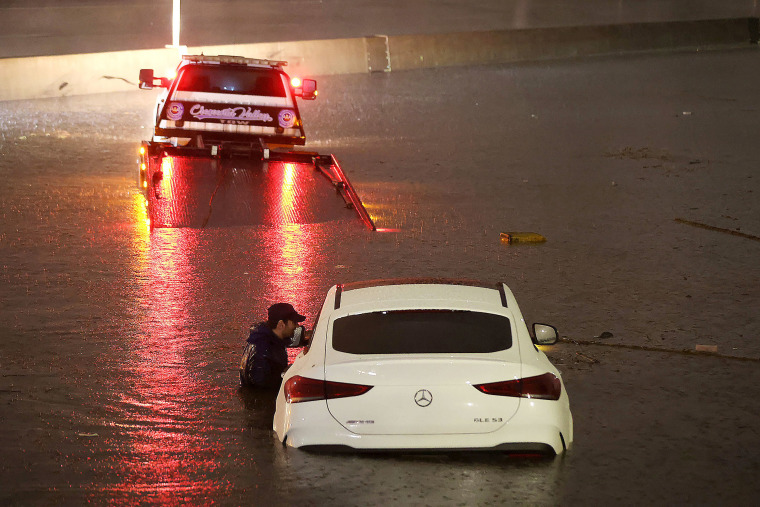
(199,187)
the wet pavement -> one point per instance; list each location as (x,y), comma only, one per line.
(120,345)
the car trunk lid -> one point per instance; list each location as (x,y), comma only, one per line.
(423,395)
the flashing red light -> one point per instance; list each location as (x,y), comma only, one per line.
(541,387)
(295,82)
(299,389)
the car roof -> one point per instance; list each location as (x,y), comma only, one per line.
(420,292)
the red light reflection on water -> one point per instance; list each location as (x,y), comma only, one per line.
(289,246)
(283,194)
(170,457)
(167,172)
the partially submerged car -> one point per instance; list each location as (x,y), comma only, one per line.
(424,364)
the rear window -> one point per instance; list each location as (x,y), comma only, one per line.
(237,80)
(422,332)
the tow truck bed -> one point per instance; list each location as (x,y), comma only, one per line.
(192,188)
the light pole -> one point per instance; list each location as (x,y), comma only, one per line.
(175,23)
(175,28)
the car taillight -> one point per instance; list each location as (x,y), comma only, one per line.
(541,387)
(298,389)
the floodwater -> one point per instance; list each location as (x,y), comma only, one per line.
(120,343)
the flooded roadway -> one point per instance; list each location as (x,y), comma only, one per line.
(120,345)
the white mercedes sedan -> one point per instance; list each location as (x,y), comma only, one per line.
(424,364)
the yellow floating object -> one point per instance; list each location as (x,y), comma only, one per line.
(521,237)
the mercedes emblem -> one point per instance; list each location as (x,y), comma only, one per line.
(423,397)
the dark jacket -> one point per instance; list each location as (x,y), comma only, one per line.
(264,359)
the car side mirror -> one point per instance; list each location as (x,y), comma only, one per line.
(146,79)
(301,337)
(544,334)
(298,337)
(309,89)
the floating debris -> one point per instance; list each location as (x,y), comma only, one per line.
(521,237)
(717,229)
(586,358)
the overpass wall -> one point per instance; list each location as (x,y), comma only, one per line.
(80,74)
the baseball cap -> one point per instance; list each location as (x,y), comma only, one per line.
(284,311)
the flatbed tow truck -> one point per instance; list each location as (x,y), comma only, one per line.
(230,118)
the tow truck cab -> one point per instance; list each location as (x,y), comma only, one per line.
(229,101)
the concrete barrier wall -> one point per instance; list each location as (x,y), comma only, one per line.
(409,52)
(59,76)
(56,76)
